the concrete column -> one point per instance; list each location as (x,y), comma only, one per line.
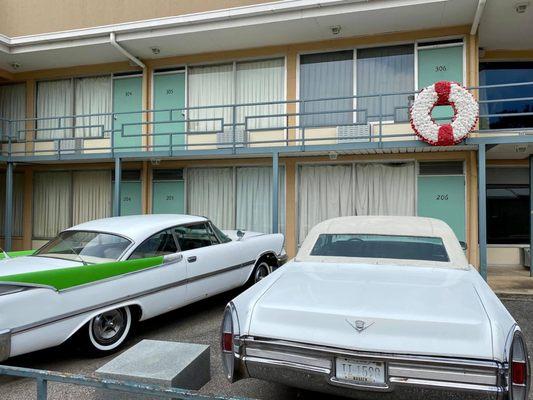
(482,210)
(9,207)
(530,210)
(275,191)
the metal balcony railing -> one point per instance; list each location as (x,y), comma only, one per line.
(354,121)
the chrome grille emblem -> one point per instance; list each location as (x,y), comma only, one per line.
(359,325)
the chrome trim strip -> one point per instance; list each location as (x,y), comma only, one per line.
(24,328)
(291,358)
(463,375)
(287,364)
(447,385)
(286,346)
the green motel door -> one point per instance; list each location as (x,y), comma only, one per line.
(127,97)
(168,192)
(130,193)
(443,197)
(169,94)
(440,63)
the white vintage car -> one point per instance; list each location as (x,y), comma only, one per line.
(378,307)
(99,278)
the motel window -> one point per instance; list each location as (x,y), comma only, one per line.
(67,97)
(495,73)
(507,206)
(62,199)
(221,86)
(12,108)
(18,203)
(235,198)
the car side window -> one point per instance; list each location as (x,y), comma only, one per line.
(160,244)
(194,236)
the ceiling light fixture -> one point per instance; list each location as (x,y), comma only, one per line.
(335,30)
(521,8)
(155,50)
(15,65)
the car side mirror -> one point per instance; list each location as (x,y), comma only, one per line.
(240,234)
(463,245)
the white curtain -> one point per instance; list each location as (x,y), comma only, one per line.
(13,108)
(257,82)
(91,196)
(54,98)
(93,96)
(325,191)
(51,203)
(254,199)
(211,194)
(385,189)
(18,203)
(329,191)
(210,86)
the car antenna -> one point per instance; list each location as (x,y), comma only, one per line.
(6,256)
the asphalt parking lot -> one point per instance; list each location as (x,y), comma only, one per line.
(198,323)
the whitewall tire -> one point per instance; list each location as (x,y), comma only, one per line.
(260,272)
(109,330)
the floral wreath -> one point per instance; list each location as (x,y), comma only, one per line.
(444,93)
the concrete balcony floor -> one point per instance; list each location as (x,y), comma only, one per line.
(510,280)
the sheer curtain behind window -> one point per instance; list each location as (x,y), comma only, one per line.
(326,75)
(210,193)
(385,189)
(91,196)
(325,191)
(18,203)
(13,108)
(54,98)
(385,70)
(51,203)
(93,96)
(254,199)
(209,86)
(259,82)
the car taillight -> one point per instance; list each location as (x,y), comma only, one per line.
(518,368)
(227,341)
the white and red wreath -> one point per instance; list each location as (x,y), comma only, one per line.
(444,93)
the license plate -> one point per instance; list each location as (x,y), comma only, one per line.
(358,371)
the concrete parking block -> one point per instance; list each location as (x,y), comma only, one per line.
(156,362)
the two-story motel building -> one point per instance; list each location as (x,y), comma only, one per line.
(267,116)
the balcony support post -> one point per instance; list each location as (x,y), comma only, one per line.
(9,207)
(530,211)
(482,210)
(116,194)
(275,191)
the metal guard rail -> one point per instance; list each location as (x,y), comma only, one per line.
(243,125)
(42,378)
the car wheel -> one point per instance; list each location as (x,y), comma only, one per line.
(109,330)
(260,272)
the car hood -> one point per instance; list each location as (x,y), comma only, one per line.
(22,265)
(407,310)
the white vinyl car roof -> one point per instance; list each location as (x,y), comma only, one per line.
(137,227)
(386,225)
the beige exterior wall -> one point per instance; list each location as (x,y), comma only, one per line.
(29,17)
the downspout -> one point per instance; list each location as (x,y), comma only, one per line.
(477,16)
(113,41)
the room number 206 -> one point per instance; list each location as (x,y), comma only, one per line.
(442,197)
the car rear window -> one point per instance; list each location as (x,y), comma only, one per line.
(380,246)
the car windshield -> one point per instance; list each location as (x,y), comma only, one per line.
(86,247)
(381,246)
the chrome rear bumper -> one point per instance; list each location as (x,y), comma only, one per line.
(5,344)
(413,377)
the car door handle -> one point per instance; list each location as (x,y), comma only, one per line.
(191,259)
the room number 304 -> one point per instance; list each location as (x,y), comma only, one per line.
(442,197)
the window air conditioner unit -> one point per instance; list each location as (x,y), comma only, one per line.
(225,138)
(353,133)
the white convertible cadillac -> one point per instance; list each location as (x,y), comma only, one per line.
(99,278)
(378,307)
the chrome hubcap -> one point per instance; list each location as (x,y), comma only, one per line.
(262,272)
(109,326)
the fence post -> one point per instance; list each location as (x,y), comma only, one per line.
(116,195)
(234,123)
(42,389)
(482,211)
(275,190)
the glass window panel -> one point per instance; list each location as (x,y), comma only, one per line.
(507,214)
(502,73)
(54,99)
(382,70)
(93,96)
(195,236)
(160,244)
(326,75)
(12,108)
